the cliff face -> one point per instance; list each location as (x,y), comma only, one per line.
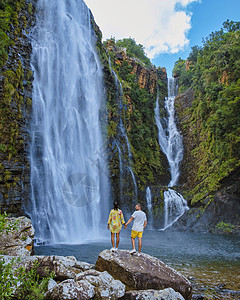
(15,107)
(135,158)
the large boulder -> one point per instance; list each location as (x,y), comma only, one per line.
(142,272)
(19,239)
(89,284)
(166,294)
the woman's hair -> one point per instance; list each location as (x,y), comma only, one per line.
(115,205)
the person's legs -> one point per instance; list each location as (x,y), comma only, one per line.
(139,244)
(113,239)
(118,239)
(133,243)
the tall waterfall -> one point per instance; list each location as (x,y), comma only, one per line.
(170,141)
(69,177)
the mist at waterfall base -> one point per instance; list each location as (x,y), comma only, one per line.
(170,141)
(69,175)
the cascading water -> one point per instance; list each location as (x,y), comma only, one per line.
(149,205)
(124,137)
(170,141)
(69,177)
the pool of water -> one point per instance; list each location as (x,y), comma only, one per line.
(211,262)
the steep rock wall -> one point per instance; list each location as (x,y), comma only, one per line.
(15,107)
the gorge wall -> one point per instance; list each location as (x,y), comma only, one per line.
(17,18)
(208,113)
(207,110)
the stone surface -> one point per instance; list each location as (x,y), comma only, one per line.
(166,294)
(64,268)
(71,290)
(106,287)
(18,241)
(143,272)
(87,285)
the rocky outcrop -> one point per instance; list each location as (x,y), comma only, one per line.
(18,238)
(142,272)
(166,294)
(225,207)
(88,285)
(63,267)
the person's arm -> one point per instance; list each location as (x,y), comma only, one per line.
(145,224)
(109,219)
(128,222)
(122,218)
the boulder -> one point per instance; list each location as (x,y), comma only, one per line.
(142,272)
(87,285)
(71,290)
(106,287)
(19,239)
(166,294)
(63,267)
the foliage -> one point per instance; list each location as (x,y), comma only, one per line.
(133,49)
(5,225)
(19,283)
(213,73)
(138,109)
(225,227)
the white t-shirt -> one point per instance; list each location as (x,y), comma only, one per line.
(139,219)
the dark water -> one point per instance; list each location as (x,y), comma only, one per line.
(211,262)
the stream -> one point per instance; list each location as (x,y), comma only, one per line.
(210,261)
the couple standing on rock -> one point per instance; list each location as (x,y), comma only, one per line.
(115,221)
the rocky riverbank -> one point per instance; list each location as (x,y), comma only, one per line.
(115,275)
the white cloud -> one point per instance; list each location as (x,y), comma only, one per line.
(160,25)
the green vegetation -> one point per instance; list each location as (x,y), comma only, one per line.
(213,73)
(133,50)
(19,283)
(15,18)
(225,227)
(5,225)
(139,102)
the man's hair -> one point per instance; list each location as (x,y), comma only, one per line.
(139,205)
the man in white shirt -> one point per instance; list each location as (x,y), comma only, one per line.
(139,224)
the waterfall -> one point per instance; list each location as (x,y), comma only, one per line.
(170,141)
(69,176)
(124,137)
(149,204)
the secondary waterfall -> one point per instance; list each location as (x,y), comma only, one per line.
(149,205)
(123,163)
(69,176)
(170,141)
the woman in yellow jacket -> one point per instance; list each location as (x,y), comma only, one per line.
(115,222)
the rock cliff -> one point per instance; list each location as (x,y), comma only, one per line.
(15,106)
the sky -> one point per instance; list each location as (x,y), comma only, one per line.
(166,28)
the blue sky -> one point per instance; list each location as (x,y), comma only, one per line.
(207,16)
(166,28)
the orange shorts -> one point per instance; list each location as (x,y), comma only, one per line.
(135,234)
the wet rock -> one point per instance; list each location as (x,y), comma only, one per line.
(17,241)
(166,294)
(143,272)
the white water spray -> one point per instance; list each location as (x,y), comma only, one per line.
(149,205)
(69,177)
(170,141)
